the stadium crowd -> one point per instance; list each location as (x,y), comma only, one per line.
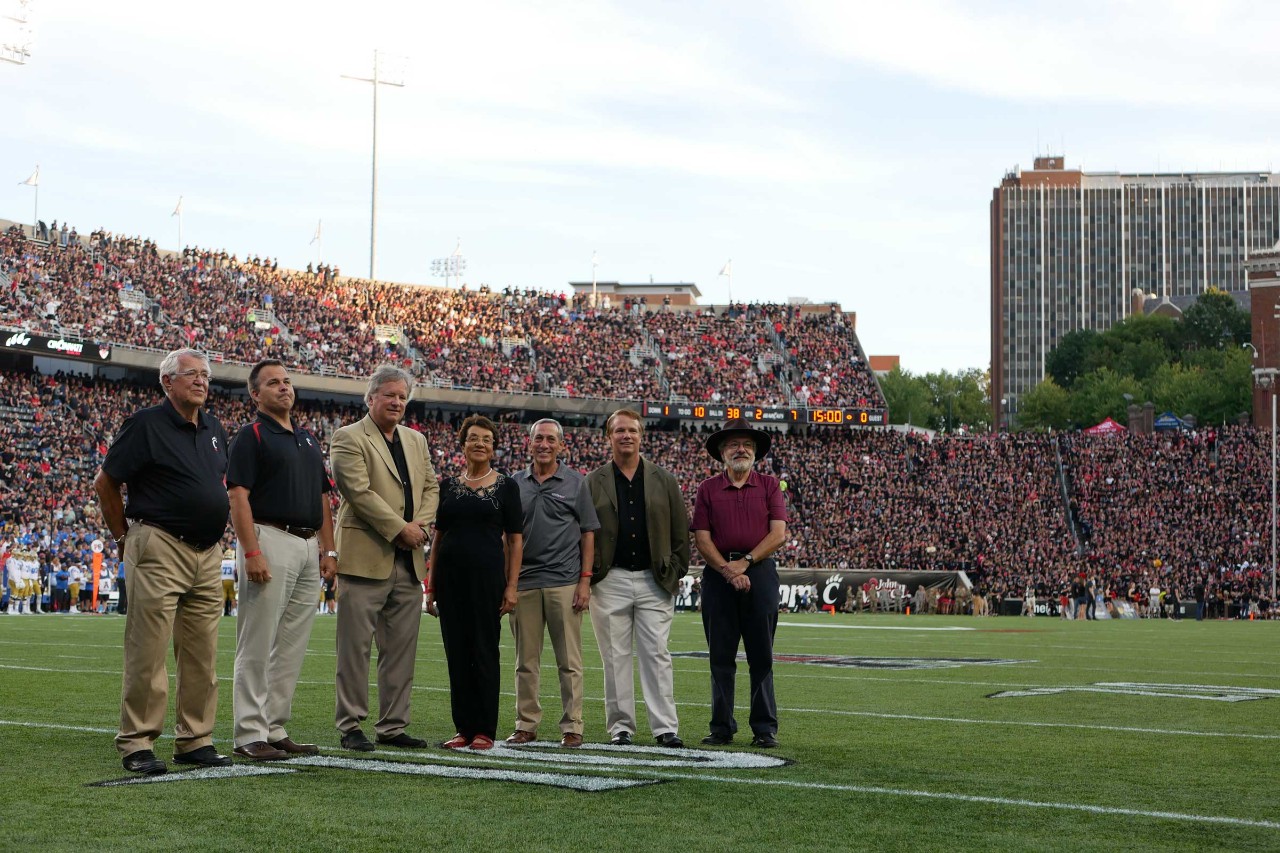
(126,291)
(1183,513)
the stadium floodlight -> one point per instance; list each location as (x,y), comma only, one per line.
(451,267)
(15,42)
(1265,378)
(377,80)
(34,182)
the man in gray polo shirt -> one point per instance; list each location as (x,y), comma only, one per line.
(555,582)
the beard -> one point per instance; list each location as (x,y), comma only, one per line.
(740,466)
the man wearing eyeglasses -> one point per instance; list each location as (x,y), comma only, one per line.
(173,459)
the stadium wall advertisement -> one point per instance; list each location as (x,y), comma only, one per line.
(833,584)
(40,345)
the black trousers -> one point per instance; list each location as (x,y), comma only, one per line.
(471,628)
(729,616)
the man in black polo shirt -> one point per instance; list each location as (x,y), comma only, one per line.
(173,458)
(279,507)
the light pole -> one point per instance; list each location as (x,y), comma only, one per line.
(373,194)
(1265,377)
(450,267)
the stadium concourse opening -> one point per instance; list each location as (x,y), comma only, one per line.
(1025,517)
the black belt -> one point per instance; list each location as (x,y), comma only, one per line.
(291,529)
(185,540)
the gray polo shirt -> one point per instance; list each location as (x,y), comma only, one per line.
(557,512)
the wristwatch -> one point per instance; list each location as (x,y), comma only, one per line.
(333,554)
(748,559)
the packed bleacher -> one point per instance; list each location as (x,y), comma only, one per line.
(125,291)
(1017,513)
(1171,511)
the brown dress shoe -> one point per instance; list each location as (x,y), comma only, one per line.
(287,745)
(571,740)
(260,750)
(521,736)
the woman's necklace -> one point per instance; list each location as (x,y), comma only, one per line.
(486,473)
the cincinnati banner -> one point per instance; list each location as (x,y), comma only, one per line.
(40,345)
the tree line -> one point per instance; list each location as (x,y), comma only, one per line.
(1198,364)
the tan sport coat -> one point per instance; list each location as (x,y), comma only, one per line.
(372,510)
(666,519)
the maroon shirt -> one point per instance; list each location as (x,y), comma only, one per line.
(738,518)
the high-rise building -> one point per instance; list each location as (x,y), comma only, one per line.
(1069,248)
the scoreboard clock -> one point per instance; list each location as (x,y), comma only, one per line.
(856,417)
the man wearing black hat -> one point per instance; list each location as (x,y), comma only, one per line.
(739,520)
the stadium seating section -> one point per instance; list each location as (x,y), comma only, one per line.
(1014,511)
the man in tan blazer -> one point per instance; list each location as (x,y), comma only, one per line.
(642,551)
(389,498)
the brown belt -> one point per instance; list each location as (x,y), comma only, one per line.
(292,529)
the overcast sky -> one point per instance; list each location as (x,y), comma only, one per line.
(834,150)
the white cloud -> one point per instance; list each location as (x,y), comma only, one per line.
(1139,52)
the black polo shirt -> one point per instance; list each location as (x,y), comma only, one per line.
(175,472)
(283,471)
(632,550)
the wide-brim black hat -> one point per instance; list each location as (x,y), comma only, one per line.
(739,427)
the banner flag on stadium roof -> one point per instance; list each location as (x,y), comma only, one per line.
(34,180)
(177,211)
(319,222)
(728,267)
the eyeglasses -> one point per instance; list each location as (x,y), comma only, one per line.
(195,374)
(475,439)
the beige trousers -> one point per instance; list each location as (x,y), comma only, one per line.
(549,609)
(174,592)
(631,610)
(389,611)
(272,630)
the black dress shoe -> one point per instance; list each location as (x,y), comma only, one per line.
(355,740)
(714,739)
(621,739)
(287,745)
(669,739)
(765,741)
(205,756)
(144,761)
(403,740)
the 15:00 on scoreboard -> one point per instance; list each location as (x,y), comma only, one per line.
(767,414)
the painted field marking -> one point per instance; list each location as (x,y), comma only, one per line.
(201,774)
(1164,691)
(408,768)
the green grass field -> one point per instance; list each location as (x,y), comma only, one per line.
(901,759)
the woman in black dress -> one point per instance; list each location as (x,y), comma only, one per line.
(471,580)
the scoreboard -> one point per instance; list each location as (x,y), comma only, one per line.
(857,417)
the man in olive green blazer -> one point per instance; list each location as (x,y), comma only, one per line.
(389,498)
(642,551)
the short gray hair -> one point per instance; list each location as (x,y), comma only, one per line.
(388,373)
(169,366)
(555,423)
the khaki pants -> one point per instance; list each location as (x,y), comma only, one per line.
(272,630)
(550,608)
(391,611)
(630,609)
(175,592)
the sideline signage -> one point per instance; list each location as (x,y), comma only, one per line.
(40,345)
